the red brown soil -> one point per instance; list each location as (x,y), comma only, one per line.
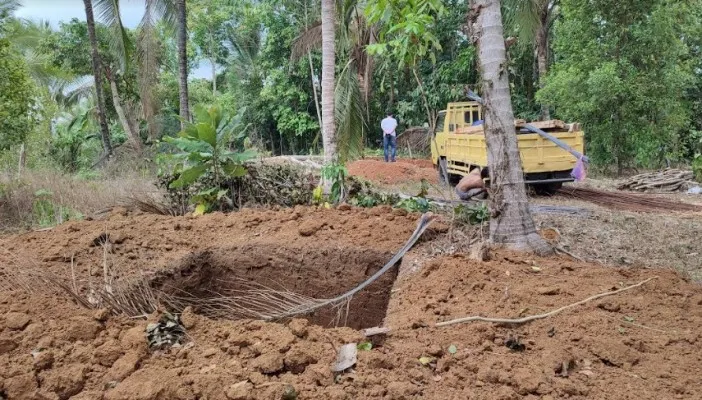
(640,344)
(401,171)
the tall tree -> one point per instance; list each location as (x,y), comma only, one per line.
(533,20)
(209,22)
(407,35)
(97,73)
(328,82)
(182,33)
(631,64)
(511,223)
(15,94)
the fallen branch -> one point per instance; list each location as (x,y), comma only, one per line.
(540,316)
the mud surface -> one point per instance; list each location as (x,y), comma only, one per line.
(640,344)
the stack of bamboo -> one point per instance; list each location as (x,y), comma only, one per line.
(666,181)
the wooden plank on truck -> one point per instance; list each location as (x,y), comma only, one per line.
(543,125)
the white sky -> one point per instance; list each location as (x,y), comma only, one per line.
(56,11)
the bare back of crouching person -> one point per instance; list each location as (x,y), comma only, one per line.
(472,185)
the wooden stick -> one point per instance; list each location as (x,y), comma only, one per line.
(540,316)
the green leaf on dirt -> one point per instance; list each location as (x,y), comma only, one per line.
(628,319)
(365,346)
(622,330)
(536,269)
(452,349)
(200,209)
(426,360)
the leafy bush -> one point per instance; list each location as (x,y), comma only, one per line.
(46,213)
(474,215)
(414,204)
(204,154)
(697,168)
(363,194)
(336,174)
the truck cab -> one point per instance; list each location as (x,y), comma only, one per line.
(458,146)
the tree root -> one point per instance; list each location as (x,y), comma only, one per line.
(540,316)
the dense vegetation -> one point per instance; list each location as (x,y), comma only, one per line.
(629,71)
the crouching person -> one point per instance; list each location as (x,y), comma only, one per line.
(472,186)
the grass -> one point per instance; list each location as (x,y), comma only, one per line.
(46,198)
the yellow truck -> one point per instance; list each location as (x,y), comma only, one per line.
(458,146)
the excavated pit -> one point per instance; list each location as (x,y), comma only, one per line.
(319,273)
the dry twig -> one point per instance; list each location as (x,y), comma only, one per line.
(540,316)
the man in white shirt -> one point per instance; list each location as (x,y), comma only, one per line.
(389,137)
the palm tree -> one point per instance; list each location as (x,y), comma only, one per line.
(353,85)
(533,20)
(104,132)
(182,33)
(511,223)
(328,82)
(147,48)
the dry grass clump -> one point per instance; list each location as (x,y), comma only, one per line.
(42,198)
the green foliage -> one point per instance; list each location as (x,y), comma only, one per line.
(335,174)
(407,33)
(414,204)
(623,71)
(364,346)
(204,151)
(697,168)
(473,215)
(16,91)
(46,213)
(209,22)
(73,145)
(203,148)
(207,200)
(362,194)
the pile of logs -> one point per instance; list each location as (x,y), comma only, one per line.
(666,181)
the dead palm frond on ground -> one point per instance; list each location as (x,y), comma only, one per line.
(136,296)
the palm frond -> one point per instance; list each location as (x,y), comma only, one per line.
(25,33)
(147,57)
(348,109)
(244,48)
(522,18)
(108,13)
(164,10)
(8,7)
(78,89)
(309,39)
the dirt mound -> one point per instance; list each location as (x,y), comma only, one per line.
(403,170)
(146,243)
(639,344)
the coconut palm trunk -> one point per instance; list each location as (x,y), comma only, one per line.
(182,33)
(121,114)
(102,117)
(511,223)
(328,82)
